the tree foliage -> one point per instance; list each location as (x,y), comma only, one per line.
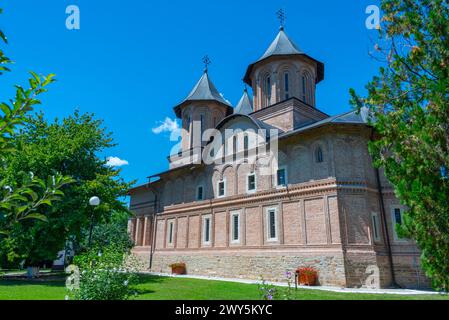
(72,147)
(409,101)
(24,199)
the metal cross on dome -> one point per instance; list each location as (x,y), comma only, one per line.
(206,62)
(281,16)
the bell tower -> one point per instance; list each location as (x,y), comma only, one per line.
(202,109)
(284,71)
(283,82)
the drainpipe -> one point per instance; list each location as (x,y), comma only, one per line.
(384,220)
(153,237)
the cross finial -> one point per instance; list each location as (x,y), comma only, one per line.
(281,16)
(206,62)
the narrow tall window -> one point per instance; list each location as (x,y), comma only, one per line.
(281,177)
(221,188)
(398,216)
(268,90)
(246,142)
(202,123)
(170,232)
(251,182)
(206,230)
(190,124)
(200,193)
(319,155)
(235,224)
(304,88)
(376,227)
(286,85)
(397,219)
(271,224)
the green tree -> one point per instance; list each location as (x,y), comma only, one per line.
(409,101)
(71,147)
(24,199)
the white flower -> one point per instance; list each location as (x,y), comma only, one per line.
(66,298)
(99,254)
(125,283)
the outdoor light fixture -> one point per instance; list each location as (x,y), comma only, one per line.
(93,201)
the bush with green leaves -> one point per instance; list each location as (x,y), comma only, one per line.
(105,274)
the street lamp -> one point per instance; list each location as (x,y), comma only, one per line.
(93,202)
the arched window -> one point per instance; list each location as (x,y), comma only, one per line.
(268,91)
(245,142)
(286,86)
(306,88)
(318,155)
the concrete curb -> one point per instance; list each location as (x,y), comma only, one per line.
(283,284)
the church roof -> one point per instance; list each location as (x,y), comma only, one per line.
(352,117)
(245,106)
(282,45)
(204,90)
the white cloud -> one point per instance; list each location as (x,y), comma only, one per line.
(168,125)
(116,162)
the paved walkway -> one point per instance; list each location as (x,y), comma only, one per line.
(283,284)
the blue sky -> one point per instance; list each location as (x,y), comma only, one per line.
(132,61)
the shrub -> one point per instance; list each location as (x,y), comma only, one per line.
(108,274)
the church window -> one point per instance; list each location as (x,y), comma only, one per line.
(200,193)
(221,188)
(202,123)
(251,182)
(272,224)
(318,155)
(286,85)
(245,142)
(376,228)
(304,88)
(206,230)
(170,232)
(397,219)
(281,177)
(235,227)
(268,90)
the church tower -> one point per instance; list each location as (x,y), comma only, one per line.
(282,72)
(202,109)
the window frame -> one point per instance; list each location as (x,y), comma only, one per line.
(252,173)
(171,233)
(285,177)
(393,221)
(286,85)
(319,155)
(268,224)
(232,230)
(224,188)
(197,193)
(209,218)
(375,223)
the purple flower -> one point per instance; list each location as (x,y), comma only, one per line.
(270,297)
(288,274)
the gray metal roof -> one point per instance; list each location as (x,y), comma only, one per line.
(204,90)
(282,45)
(350,117)
(245,105)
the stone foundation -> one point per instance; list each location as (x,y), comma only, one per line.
(252,265)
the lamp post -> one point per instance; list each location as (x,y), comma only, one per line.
(93,202)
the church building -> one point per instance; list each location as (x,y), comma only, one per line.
(324,205)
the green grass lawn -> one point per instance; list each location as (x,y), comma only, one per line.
(167,288)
